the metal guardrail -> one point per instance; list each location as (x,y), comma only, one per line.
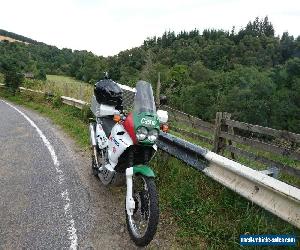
(183,150)
(271,194)
(73,102)
(31,90)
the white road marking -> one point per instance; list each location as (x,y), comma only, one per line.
(65,195)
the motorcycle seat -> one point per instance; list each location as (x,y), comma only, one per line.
(107,124)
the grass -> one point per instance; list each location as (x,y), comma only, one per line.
(62,85)
(206,214)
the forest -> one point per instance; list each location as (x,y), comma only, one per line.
(250,72)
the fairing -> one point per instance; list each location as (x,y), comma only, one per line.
(144,114)
(144,100)
(129,127)
(118,141)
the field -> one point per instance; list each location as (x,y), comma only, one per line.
(62,85)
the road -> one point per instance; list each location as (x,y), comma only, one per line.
(48,197)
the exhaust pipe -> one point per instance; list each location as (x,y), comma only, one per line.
(92,135)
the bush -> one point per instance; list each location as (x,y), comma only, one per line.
(12,80)
(56,101)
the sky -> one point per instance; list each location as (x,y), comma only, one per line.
(107,27)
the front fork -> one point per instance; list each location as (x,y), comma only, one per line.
(139,169)
(130,204)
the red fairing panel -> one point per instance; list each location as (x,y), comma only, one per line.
(129,127)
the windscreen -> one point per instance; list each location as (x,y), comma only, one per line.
(144,100)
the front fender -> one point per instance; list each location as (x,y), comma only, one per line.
(143,170)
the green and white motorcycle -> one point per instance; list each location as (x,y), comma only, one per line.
(122,147)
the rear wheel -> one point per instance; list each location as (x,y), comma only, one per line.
(142,224)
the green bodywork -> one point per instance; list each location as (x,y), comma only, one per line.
(147,120)
(144,170)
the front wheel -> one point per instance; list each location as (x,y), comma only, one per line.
(142,224)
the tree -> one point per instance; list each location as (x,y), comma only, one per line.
(199,73)
(41,75)
(12,75)
(259,27)
(287,46)
(248,95)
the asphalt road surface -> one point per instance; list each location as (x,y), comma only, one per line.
(48,196)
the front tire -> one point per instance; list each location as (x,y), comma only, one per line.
(143,223)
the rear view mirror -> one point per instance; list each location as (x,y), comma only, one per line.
(162,116)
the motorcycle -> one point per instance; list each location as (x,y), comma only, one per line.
(122,146)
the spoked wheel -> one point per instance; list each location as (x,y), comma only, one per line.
(142,224)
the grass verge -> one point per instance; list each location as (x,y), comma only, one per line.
(205,214)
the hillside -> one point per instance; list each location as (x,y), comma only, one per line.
(6,38)
(12,37)
(250,72)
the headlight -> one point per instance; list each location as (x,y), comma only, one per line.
(141,133)
(152,135)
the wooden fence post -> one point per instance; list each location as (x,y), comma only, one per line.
(191,121)
(217,131)
(219,142)
(230,131)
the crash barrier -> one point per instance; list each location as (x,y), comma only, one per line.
(224,133)
(271,194)
(73,102)
(31,90)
